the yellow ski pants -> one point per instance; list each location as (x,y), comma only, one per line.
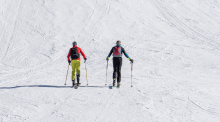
(75,68)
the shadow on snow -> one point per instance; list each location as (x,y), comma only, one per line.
(47,86)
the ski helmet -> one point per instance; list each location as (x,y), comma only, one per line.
(74,43)
(118,42)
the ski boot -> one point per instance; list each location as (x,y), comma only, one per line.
(118,85)
(73,83)
(78,79)
(113,82)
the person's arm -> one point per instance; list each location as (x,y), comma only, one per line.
(123,51)
(84,56)
(109,54)
(68,56)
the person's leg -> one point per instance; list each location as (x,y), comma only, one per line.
(73,63)
(114,70)
(78,70)
(119,70)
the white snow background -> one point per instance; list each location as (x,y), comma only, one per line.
(174,43)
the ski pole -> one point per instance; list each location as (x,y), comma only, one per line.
(131,73)
(86,73)
(106,73)
(67,74)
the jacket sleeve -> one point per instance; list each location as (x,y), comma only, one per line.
(84,56)
(110,53)
(68,56)
(123,51)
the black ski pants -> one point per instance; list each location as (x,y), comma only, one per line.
(117,63)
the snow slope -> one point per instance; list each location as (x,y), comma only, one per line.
(174,43)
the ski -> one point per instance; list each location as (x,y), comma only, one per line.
(77,85)
(114,86)
(72,86)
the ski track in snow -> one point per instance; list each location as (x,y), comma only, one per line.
(174,44)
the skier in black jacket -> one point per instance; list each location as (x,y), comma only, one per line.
(117,61)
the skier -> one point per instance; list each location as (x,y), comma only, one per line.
(117,61)
(74,53)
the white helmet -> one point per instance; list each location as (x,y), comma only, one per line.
(118,42)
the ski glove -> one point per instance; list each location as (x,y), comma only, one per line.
(131,60)
(69,62)
(107,58)
(85,59)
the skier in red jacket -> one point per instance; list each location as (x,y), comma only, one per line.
(74,53)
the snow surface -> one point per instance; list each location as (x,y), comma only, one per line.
(174,43)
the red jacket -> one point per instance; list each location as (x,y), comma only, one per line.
(79,51)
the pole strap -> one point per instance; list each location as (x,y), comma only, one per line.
(67,74)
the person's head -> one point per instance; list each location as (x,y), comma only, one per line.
(74,43)
(118,42)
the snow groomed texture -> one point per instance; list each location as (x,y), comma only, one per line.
(175,45)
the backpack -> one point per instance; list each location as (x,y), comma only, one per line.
(74,53)
(117,51)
